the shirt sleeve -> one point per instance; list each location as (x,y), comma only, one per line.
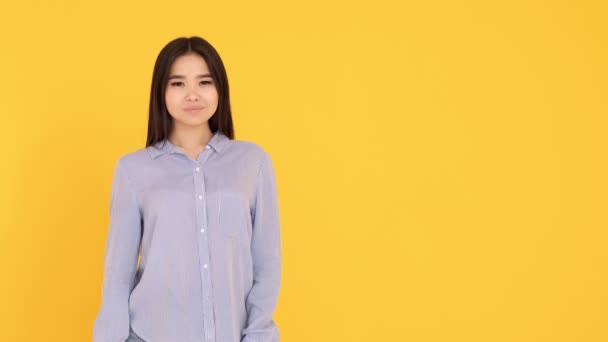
(266,255)
(120,260)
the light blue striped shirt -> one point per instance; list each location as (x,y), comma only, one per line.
(208,234)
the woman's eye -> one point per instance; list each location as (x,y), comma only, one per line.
(175,84)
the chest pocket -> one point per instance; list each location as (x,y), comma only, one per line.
(233,215)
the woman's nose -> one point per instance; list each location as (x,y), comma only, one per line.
(193,93)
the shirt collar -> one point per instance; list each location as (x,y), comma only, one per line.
(217,142)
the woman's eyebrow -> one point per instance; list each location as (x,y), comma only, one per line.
(182,77)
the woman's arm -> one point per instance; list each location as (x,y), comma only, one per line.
(266,254)
(120,261)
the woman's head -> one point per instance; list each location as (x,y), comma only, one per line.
(189,73)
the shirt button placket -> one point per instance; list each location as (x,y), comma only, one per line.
(203,243)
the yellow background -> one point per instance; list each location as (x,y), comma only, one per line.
(441,164)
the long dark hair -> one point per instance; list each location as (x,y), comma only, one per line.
(160,122)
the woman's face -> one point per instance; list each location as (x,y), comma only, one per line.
(191,96)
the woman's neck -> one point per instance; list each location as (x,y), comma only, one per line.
(189,137)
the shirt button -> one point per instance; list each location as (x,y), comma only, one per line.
(197,169)
(207,147)
(202,230)
(200,197)
(205,266)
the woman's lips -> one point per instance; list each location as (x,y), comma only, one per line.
(193,109)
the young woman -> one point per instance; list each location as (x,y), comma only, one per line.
(201,207)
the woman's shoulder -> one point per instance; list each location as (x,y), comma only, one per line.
(249,149)
(247,146)
(134,158)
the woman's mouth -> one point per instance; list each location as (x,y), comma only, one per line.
(193,109)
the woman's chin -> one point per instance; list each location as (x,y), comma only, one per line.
(191,122)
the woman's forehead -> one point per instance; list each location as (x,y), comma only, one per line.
(189,64)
